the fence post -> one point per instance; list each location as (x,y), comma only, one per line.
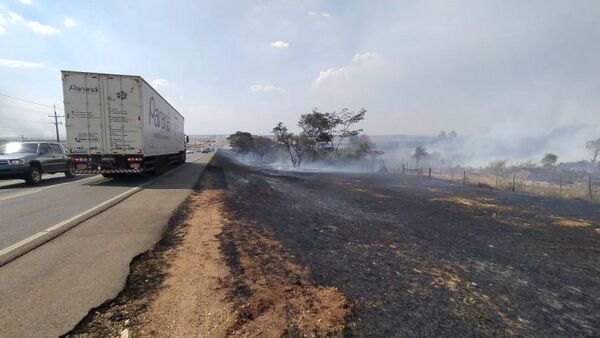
(464,177)
(429,172)
(590,187)
(532,185)
(560,185)
(496,181)
(513,186)
(402,168)
(452,175)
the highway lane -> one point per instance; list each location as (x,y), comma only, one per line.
(46,291)
(26,210)
(9,186)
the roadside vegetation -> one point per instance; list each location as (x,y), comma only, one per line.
(547,176)
(327,138)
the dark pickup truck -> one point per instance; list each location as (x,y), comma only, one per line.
(29,160)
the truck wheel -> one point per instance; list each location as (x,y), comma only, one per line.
(34,176)
(70,170)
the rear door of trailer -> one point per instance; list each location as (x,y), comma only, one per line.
(102,113)
(122,114)
(83,113)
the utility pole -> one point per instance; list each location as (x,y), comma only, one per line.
(56,123)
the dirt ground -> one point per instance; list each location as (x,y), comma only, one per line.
(258,252)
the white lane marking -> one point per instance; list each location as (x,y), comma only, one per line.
(19,194)
(82,214)
(32,191)
(67,221)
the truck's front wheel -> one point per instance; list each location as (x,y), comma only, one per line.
(34,176)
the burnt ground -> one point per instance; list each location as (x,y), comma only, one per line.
(284,253)
(420,257)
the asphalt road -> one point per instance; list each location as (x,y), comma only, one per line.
(27,210)
(45,292)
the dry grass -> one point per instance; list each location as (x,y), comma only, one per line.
(554,189)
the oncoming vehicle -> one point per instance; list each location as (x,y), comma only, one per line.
(29,160)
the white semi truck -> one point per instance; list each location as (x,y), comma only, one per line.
(118,124)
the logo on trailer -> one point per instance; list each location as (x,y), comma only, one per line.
(75,88)
(157,117)
(122,95)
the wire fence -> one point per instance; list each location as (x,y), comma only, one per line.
(568,185)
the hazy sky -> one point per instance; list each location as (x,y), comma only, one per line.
(500,69)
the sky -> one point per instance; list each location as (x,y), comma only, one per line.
(499,72)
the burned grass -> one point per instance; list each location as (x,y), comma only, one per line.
(259,252)
(418,257)
(274,294)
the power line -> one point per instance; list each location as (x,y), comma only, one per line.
(55,115)
(29,101)
(30,121)
(12,107)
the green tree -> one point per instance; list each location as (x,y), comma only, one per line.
(549,160)
(241,142)
(263,145)
(317,130)
(364,146)
(419,154)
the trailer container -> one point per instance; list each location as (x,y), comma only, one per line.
(118,124)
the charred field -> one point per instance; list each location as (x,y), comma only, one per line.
(258,252)
(419,257)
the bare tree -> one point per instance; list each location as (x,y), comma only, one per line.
(301,144)
(593,147)
(344,120)
(498,166)
(286,139)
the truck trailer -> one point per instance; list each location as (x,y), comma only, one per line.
(118,124)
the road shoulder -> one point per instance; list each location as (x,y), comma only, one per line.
(215,276)
(89,264)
